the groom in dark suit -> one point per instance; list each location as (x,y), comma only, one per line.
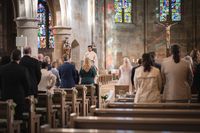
(67,73)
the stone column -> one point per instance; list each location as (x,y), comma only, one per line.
(28,27)
(61,33)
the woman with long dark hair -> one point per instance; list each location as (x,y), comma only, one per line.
(147,82)
(177,77)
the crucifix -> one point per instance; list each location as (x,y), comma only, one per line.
(167,27)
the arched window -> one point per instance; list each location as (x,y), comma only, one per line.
(170,10)
(45,34)
(123,11)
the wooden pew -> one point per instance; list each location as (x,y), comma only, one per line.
(194,98)
(125,99)
(82,90)
(59,103)
(104,78)
(130,98)
(31,117)
(7,122)
(45,108)
(71,130)
(153,105)
(147,113)
(92,95)
(71,99)
(91,90)
(128,123)
(121,90)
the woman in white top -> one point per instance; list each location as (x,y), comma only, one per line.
(48,79)
(147,82)
(125,73)
(177,77)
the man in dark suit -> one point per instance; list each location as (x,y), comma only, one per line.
(67,73)
(133,71)
(14,83)
(33,67)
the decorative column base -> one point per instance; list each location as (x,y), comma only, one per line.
(61,33)
(28,27)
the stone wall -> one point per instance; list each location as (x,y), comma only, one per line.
(81,31)
(128,39)
(7,28)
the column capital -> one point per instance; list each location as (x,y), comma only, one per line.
(26,19)
(26,23)
(62,27)
(62,30)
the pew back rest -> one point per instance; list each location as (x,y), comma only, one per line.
(72,97)
(59,96)
(158,124)
(154,113)
(154,106)
(4,110)
(44,99)
(82,90)
(121,90)
(7,113)
(71,94)
(91,90)
(30,104)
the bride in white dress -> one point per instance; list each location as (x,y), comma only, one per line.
(125,73)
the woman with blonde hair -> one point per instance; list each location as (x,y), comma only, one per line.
(87,72)
(125,73)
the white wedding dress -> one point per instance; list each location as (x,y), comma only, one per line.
(125,76)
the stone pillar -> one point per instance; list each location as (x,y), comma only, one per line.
(61,33)
(29,27)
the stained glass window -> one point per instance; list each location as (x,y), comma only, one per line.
(43,30)
(123,11)
(164,10)
(176,10)
(170,7)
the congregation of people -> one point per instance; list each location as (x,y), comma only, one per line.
(170,81)
(23,77)
(173,80)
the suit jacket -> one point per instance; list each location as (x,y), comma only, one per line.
(33,67)
(14,82)
(133,74)
(177,78)
(67,74)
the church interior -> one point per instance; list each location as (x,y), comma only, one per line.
(99,66)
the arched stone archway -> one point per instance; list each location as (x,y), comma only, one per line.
(75,47)
(27,23)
